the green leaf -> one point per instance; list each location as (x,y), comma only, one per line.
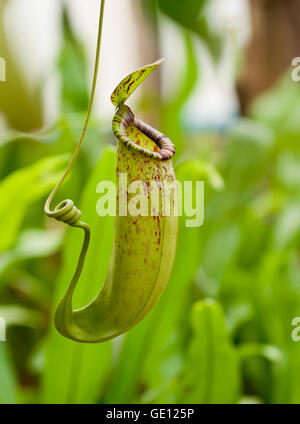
(172,109)
(46,136)
(191,15)
(186,13)
(249,133)
(271,353)
(130,83)
(73,70)
(286,228)
(31,244)
(288,169)
(8,385)
(82,369)
(279,107)
(20,189)
(211,373)
(17,315)
(201,170)
(220,250)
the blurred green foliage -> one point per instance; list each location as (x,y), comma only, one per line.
(221,332)
(192,16)
(28,115)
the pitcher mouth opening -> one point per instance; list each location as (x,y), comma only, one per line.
(124,118)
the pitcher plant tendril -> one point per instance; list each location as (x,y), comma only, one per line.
(144,246)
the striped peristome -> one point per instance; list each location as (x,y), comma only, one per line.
(122,121)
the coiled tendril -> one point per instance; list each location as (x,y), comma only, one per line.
(67,212)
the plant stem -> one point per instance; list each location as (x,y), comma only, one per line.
(88,115)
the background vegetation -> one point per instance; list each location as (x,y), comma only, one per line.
(221,332)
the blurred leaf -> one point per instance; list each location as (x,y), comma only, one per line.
(219,252)
(286,388)
(279,107)
(245,160)
(20,189)
(47,136)
(287,226)
(238,315)
(8,385)
(191,15)
(269,352)
(36,361)
(267,204)
(17,315)
(73,70)
(211,373)
(200,170)
(251,132)
(31,244)
(288,169)
(249,142)
(173,107)
(82,369)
